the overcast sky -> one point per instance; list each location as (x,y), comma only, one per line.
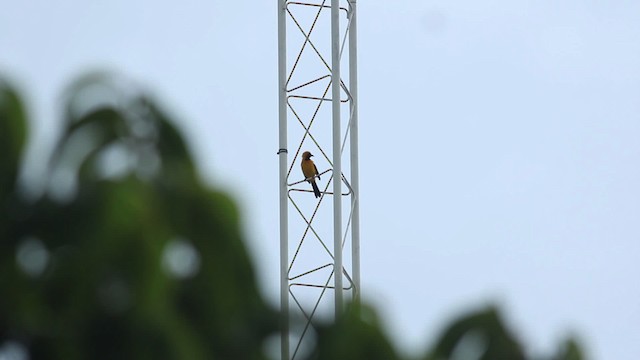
(499,144)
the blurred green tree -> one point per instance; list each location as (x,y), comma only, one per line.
(127,255)
(134,257)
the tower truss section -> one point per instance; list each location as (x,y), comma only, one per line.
(318,112)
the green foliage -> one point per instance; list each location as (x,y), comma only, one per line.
(481,334)
(129,256)
(12,140)
(101,271)
(357,335)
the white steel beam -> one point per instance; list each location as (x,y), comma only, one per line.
(353,123)
(337,154)
(282,154)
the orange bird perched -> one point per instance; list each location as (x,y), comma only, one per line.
(309,170)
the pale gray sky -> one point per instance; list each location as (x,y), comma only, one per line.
(499,143)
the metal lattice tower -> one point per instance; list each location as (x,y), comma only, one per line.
(317,80)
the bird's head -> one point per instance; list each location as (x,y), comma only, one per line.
(306,155)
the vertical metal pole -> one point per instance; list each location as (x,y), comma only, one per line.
(355,198)
(337,161)
(282,154)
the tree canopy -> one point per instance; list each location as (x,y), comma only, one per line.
(128,255)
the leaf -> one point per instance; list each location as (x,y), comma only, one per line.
(13,134)
(486,326)
(354,338)
(569,350)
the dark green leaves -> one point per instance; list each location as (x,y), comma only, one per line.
(480,335)
(355,336)
(13,134)
(107,282)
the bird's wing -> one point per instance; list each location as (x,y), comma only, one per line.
(316,169)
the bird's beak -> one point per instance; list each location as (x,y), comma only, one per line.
(310,155)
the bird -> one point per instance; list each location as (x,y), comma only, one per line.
(309,170)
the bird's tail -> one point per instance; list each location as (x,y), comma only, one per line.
(316,191)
